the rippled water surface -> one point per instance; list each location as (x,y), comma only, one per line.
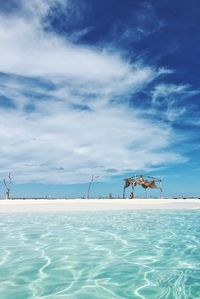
(90,255)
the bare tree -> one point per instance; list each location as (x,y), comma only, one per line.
(90,183)
(7,185)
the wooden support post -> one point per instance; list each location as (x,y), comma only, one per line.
(133,191)
(161,188)
(124,192)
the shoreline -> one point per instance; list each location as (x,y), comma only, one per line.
(70,205)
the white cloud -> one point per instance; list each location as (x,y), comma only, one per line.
(39,146)
(163,90)
(27,50)
(172,95)
(59,142)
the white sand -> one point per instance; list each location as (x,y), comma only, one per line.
(59,205)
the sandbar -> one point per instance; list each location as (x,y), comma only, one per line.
(69,205)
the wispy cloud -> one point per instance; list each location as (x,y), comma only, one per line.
(170,97)
(67,122)
(58,144)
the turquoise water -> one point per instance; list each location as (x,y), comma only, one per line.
(90,255)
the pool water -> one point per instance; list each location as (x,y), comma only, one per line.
(90,255)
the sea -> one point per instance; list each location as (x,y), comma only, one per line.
(97,255)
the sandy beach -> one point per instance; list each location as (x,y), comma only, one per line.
(59,205)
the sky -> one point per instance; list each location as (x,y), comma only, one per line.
(105,88)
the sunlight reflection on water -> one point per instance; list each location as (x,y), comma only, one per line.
(134,254)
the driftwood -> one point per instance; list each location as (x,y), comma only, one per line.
(139,180)
(7,186)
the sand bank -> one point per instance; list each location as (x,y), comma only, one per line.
(59,205)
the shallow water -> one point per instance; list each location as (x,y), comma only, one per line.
(90,255)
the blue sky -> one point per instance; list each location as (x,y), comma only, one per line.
(109,88)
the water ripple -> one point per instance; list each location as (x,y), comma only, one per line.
(118,255)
